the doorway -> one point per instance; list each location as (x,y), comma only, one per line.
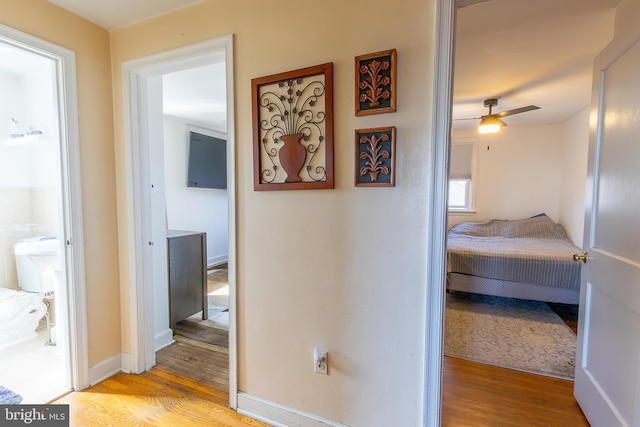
(43,351)
(444,67)
(143,105)
(535,164)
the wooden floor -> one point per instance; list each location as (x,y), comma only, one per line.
(482,395)
(199,361)
(473,395)
(154,398)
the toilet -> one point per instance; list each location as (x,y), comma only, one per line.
(38,265)
(38,261)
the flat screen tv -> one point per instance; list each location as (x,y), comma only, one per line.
(207,166)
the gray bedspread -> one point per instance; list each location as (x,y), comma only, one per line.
(533,250)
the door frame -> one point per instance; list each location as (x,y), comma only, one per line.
(445,16)
(138,195)
(77,351)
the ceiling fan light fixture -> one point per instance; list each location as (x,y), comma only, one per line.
(490,124)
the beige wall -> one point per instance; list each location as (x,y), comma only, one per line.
(518,172)
(627,16)
(575,153)
(340,268)
(527,170)
(91,46)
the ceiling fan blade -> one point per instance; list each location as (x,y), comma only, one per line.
(517,111)
(468,118)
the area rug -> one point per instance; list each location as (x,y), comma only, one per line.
(510,333)
(7,397)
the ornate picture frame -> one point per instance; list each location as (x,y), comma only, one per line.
(293,129)
(375,83)
(375,157)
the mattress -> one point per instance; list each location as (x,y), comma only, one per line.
(533,250)
(505,288)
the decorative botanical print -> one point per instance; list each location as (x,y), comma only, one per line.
(375,83)
(375,157)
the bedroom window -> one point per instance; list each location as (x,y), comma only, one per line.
(461,176)
(459,194)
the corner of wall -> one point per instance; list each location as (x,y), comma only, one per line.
(109,367)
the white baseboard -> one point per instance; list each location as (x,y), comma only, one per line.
(163,339)
(212,261)
(105,369)
(127,363)
(279,415)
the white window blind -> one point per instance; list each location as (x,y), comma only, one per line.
(461,162)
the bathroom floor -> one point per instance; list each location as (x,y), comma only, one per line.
(34,370)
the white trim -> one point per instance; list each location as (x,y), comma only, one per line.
(216,260)
(131,151)
(72,197)
(126,363)
(436,261)
(163,339)
(231,194)
(105,369)
(473,182)
(142,152)
(279,415)
(460,212)
(141,310)
(76,288)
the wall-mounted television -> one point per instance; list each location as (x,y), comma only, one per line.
(207,166)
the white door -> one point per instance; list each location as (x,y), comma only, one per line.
(607,383)
(56,114)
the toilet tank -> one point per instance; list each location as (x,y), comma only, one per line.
(38,263)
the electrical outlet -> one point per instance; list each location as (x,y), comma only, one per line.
(321,361)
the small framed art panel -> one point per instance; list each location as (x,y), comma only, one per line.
(375,83)
(375,157)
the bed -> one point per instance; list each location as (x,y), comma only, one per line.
(530,258)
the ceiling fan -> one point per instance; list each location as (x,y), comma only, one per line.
(492,122)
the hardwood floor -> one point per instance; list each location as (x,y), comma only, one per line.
(201,362)
(201,350)
(473,395)
(188,388)
(154,398)
(482,395)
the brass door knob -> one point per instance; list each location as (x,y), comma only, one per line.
(581,257)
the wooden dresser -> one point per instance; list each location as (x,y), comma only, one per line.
(187,252)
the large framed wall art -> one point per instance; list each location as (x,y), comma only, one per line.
(293,129)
